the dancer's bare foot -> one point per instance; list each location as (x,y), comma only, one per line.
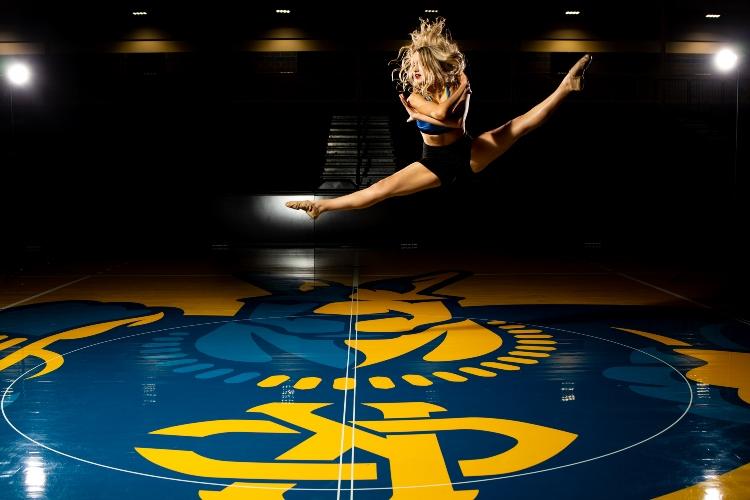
(574,78)
(310,207)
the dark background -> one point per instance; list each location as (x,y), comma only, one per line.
(113,150)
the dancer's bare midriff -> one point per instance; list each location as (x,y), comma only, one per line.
(443,139)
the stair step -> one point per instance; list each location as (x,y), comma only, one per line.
(361,145)
(340,170)
(381,170)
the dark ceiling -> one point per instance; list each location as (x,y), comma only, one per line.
(219,20)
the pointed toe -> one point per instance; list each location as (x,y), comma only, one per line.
(577,72)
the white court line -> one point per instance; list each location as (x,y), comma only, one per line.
(663,290)
(14,304)
(346,391)
(682,297)
(354,394)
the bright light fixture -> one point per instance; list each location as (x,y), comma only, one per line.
(19,74)
(725,59)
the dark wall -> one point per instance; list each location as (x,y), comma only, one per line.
(135,149)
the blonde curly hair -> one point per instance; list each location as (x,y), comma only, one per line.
(441,60)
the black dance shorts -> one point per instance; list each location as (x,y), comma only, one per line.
(448,162)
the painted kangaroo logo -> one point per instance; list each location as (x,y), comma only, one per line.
(395,318)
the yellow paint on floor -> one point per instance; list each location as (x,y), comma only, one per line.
(248,491)
(195,295)
(450,377)
(732,485)
(500,366)
(307,383)
(344,383)
(19,288)
(382,383)
(417,380)
(523,361)
(10,343)
(722,368)
(529,354)
(273,381)
(477,371)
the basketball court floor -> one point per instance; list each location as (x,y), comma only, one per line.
(345,373)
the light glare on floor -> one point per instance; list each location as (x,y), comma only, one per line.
(35,477)
(712,494)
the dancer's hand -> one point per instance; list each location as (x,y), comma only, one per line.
(408,107)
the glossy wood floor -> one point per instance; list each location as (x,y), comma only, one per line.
(301,373)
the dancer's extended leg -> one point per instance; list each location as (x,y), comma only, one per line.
(490,145)
(415,177)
